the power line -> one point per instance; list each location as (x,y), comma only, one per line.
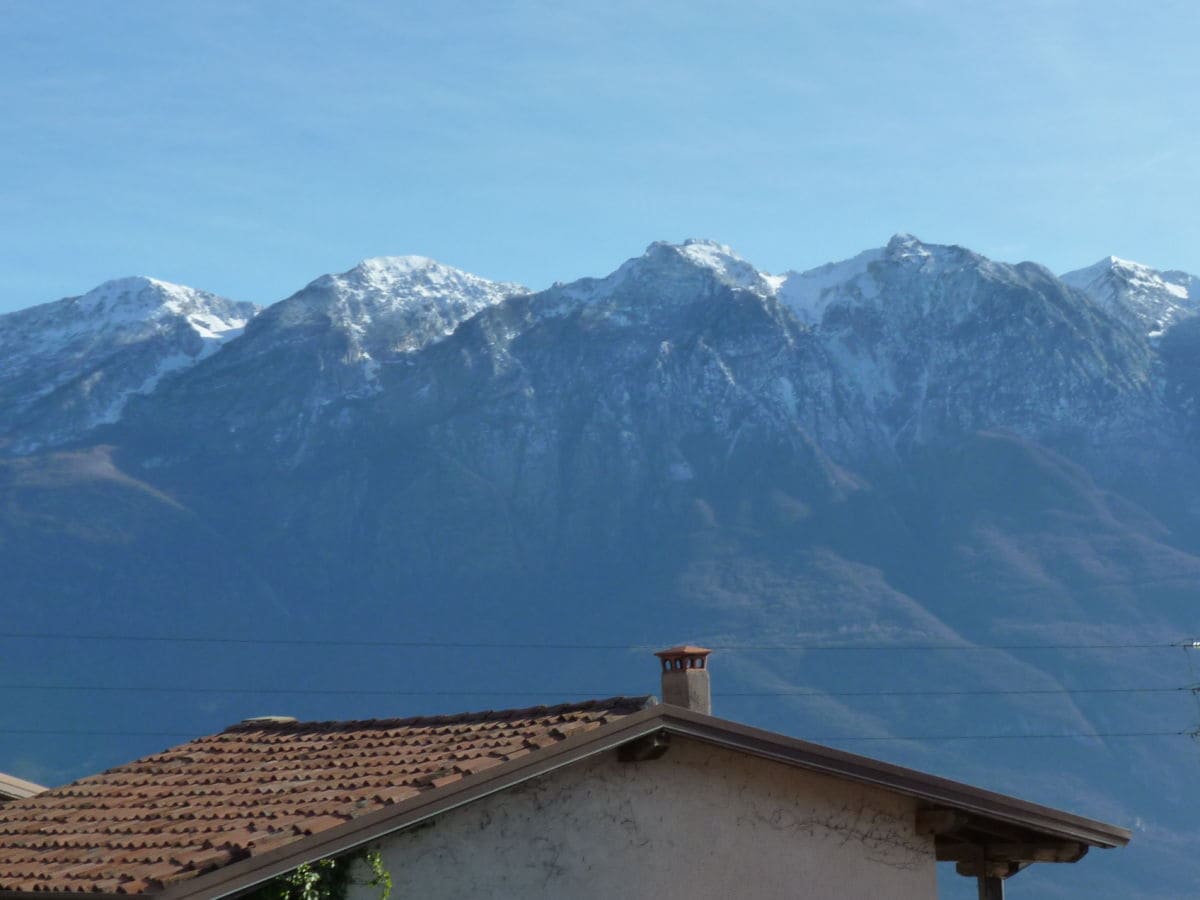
(998,737)
(817,739)
(1187,652)
(963,693)
(377,692)
(533,645)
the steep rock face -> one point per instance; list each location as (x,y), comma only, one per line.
(597,418)
(1179,350)
(1146,297)
(68,366)
(1162,305)
(305,358)
(384,306)
(559,424)
(937,342)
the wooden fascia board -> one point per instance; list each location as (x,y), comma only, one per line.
(1052,851)
(14,788)
(930,788)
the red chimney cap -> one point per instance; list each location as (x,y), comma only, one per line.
(682,651)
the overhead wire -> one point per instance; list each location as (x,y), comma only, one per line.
(541,692)
(553,645)
(1187,645)
(817,739)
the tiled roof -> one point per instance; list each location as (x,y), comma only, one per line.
(254,787)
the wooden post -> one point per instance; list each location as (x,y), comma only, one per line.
(991,887)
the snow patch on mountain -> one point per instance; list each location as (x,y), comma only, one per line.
(165,366)
(97,350)
(336,341)
(858,279)
(1152,299)
(390,304)
(894,334)
(808,293)
(119,312)
(677,272)
(728,266)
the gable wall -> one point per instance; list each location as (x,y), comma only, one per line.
(700,822)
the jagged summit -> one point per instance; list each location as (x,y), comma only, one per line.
(132,303)
(1125,270)
(71,364)
(726,264)
(394,264)
(401,279)
(903,245)
(1151,299)
(115,313)
(808,294)
(696,261)
(132,292)
(695,265)
(908,248)
(342,328)
(329,343)
(390,302)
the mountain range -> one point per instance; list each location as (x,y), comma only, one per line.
(918,447)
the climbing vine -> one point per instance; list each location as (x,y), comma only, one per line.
(328,879)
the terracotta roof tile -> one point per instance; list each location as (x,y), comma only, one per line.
(255,786)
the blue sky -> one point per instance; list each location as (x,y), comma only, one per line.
(245,148)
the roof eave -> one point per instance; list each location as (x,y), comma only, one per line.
(931,788)
(249,873)
(246,874)
(14,788)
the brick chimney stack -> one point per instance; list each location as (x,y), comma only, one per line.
(685,678)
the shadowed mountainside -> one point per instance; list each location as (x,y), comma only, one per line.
(918,446)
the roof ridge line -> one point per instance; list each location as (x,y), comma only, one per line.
(631,703)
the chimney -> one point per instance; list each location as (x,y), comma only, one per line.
(685,678)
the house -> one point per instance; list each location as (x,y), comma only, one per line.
(13,788)
(624,797)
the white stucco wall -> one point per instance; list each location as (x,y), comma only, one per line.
(699,822)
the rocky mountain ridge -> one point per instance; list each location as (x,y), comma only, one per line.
(1152,299)
(915,446)
(388,307)
(71,365)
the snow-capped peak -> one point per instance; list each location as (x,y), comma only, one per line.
(396,264)
(1134,274)
(676,269)
(131,304)
(1152,299)
(100,348)
(133,293)
(124,310)
(906,246)
(907,249)
(407,277)
(810,293)
(388,284)
(385,305)
(727,265)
